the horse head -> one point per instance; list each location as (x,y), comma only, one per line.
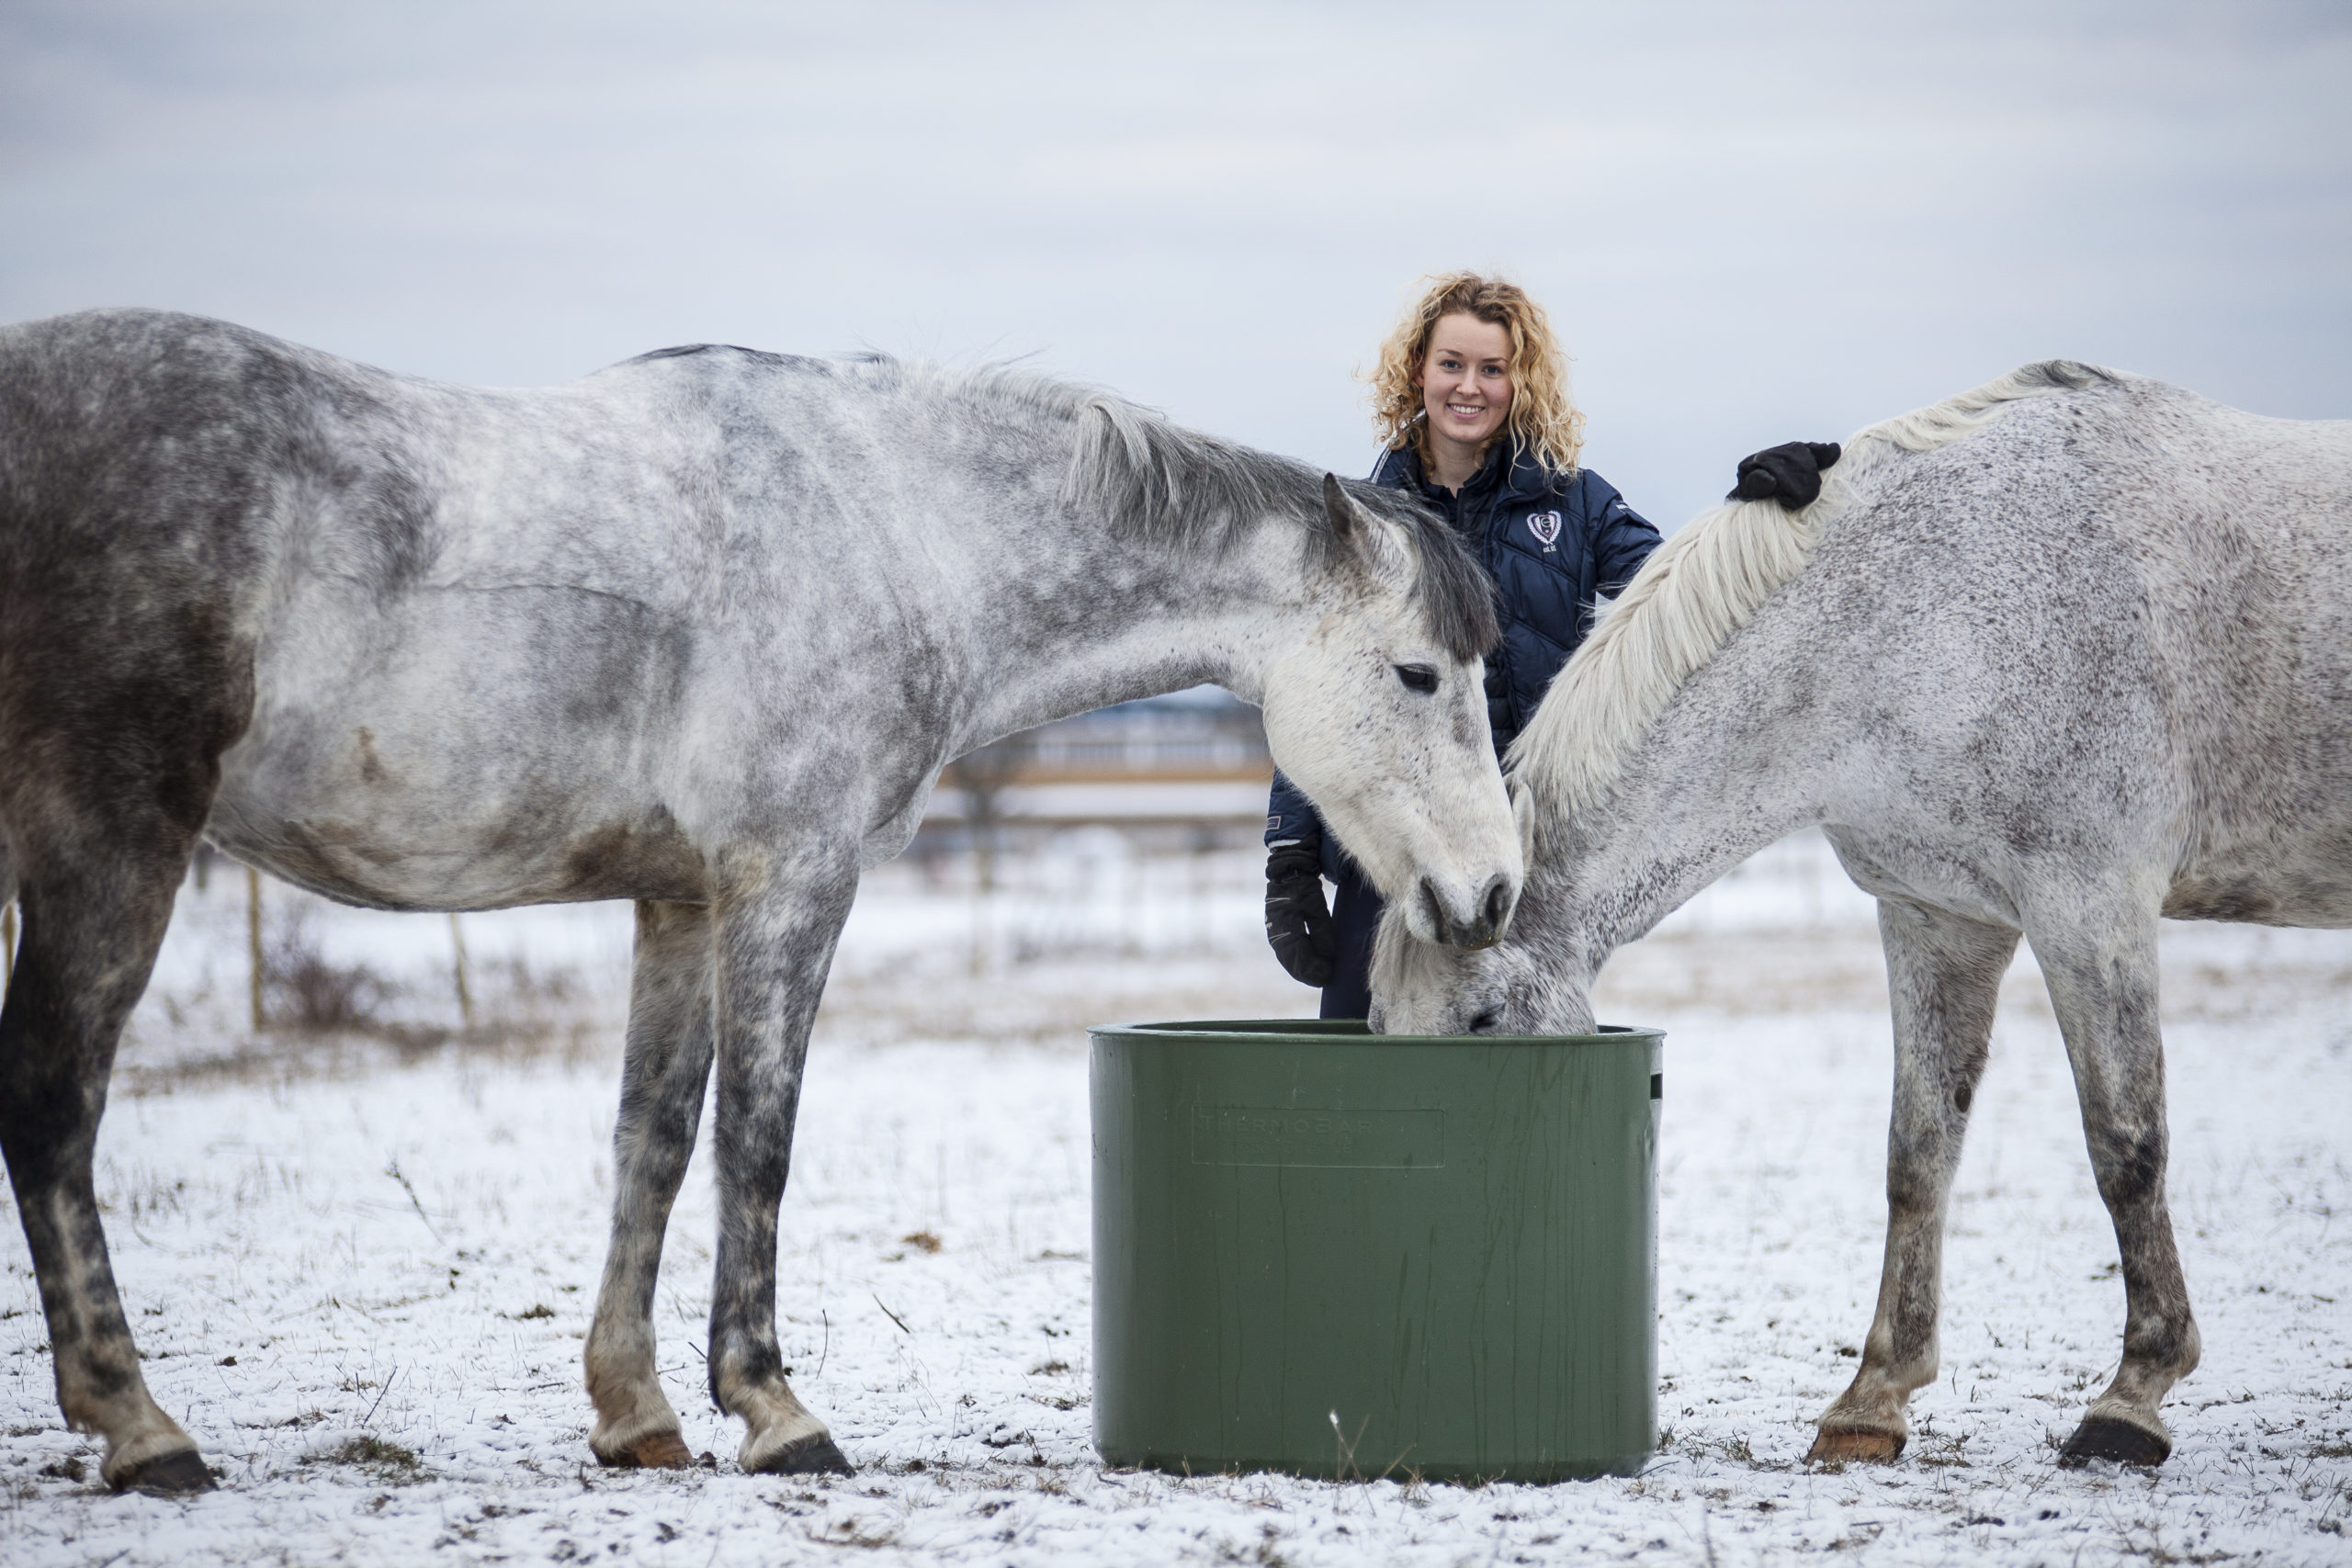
(1536,979)
(1379,714)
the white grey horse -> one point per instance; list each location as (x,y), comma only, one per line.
(698,631)
(2059,656)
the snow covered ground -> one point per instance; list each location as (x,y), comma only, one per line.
(361,1265)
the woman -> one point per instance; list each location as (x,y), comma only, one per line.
(1471,397)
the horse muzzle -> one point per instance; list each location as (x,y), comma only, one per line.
(1481,924)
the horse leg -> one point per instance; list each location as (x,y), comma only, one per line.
(663,1079)
(93,922)
(7,911)
(2103,987)
(775,933)
(1944,977)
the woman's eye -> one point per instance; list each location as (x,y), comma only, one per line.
(1417,677)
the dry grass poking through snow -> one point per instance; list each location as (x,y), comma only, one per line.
(363,1283)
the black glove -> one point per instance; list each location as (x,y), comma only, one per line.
(1298,923)
(1789,473)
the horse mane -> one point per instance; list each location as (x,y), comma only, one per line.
(1708,580)
(1156,481)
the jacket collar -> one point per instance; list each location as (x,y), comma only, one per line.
(1509,474)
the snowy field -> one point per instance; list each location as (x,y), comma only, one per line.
(361,1263)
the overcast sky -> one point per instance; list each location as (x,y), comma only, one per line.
(1750,222)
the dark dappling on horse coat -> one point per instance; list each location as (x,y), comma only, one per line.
(419,646)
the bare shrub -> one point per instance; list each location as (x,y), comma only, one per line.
(525,989)
(301,989)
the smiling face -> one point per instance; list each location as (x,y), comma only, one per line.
(1465,391)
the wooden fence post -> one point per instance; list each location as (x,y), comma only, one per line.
(465,997)
(253,943)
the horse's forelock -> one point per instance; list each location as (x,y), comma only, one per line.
(1453,590)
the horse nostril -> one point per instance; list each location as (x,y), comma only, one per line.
(1497,904)
(1440,927)
(1487,1022)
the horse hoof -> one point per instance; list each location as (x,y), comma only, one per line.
(2103,1436)
(168,1475)
(812,1455)
(657,1451)
(1849,1446)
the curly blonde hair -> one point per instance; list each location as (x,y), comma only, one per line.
(1543,419)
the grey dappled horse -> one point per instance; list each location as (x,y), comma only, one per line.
(2062,656)
(700,631)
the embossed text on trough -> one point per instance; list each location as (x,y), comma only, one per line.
(1265,1134)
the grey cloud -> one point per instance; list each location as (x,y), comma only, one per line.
(1751,222)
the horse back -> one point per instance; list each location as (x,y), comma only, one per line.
(2127,611)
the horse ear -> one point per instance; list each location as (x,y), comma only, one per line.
(1360,536)
(1523,811)
(1362,541)
(1348,521)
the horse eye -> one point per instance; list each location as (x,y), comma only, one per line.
(1417,677)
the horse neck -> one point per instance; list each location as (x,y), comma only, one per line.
(1058,613)
(1613,879)
(1702,795)
(1007,607)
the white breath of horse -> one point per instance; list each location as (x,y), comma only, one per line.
(2055,659)
(698,631)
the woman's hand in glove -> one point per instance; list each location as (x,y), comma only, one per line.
(1789,473)
(1298,922)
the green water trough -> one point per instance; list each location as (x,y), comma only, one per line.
(1340,1253)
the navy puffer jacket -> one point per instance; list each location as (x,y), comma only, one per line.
(1553,544)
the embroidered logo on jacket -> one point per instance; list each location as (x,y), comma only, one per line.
(1545,526)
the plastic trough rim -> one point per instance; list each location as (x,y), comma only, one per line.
(1225,1031)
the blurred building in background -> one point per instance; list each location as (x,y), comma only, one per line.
(1186,771)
